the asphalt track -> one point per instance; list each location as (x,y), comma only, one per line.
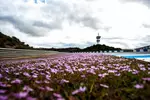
(9,53)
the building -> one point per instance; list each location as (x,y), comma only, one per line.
(143,49)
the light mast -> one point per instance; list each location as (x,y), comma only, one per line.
(98,39)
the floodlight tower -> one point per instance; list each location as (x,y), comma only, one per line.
(98,39)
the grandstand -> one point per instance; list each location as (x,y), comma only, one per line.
(143,49)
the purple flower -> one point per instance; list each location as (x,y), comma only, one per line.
(30,98)
(91,71)
(21,95)
(64,81)
(139,86)
(7,78)
(38,82)
(60,99)
(4,85)
(54,70)
(49,89)
(16,73)
(103,75)
(34,76)
(3,97)
(83,76)
(135,72)
(26,74)
(48,77)
(3,91)
(27,88)
(1,76)
(67,66)
(57,95)
(146,79)
(75,92)
(105,86)
(141,65)
(81,89)
(142,68)
(45,81)
(117,74)
(112,71)
(41,88)
(16,81)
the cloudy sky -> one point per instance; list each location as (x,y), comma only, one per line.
(75,23)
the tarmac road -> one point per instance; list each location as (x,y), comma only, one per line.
(23,53)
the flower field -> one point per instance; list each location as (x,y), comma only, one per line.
(75,77)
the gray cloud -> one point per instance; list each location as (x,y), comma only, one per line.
(58,45)
(19,16)
(72,13)
(121,43)
(113,38)
(144,41)
(86,44)
(21,25)
(107,28)
(50,25)
(141,45)
(65,45)
(146,25)
(55,12)
(145,2)
(119,38)
(86,20)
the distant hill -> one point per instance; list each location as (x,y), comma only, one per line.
(12,42)
(99,47)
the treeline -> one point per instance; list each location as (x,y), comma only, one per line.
(12,42)
(71,49)
(94,48)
